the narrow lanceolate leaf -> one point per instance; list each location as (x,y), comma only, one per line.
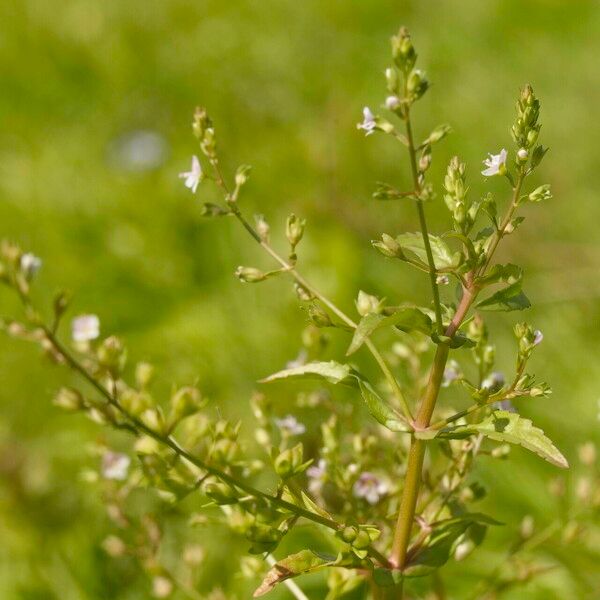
(443,257)
(382,412)
(504,426)
(332,371)
(506,299)
(406,319)
(291,566)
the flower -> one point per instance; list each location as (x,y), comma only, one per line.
(115,465)
(193,177)
(369,487)
(442,280)
(290,425)
(506,405)
(30,264)
(392,102)
(317,475)
(496,164)
(368,123)
(85,328)
(538,336)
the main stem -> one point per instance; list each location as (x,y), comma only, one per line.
(416,454)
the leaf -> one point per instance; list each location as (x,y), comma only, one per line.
(313,506)
(406,319)
(332,371)
(506,299)
(509,272)
(382,412)
(443,257)
(291,566)
(504,426)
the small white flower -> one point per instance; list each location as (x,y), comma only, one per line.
(538,336)
(193,177)
(392,102)
(523,154)
(85,328)
(369,487)
(369,124)
(115,465)
(290,425)
(30,264)
(442,280)
(496,164)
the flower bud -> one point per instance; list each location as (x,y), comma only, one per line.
(367,304)
(294,230)
(318,316)
(242,174)
(154,420)
(200,123)
(69,399)
(225,450)
(523,155)
(112,354)
(541,193)
(403,50)
(134,402)
(388,246)
(392,80)
(220,492)
(289,462)
(144,372)
(392,103)
(250,274)
(349,534)
(185,402)
(262,227)
(417,84)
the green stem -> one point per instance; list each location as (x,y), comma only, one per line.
(416,454)
(423,223)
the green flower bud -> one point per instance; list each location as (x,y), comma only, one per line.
(242,174)
(250,274)
(367,304)
(112,354)
(392,80)
(403,50)
(318,316)
(154,420)
(388,246)
(262,227)
(349,534)
(69,399)
(220,492)
(289,462)
(134,402)
(225,450)
(185,402)
(417,84)
(201,122)
(541,193)
(294,230)
(144,373)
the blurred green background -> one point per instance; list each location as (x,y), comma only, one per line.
(96,101)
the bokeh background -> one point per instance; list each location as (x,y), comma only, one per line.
(95,107)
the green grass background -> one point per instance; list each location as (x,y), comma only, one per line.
(285,83)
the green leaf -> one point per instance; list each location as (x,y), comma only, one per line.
(382,412)
(443,257)
(510,273)
(504,426)
(506,299)
(291,566)
(313,506)
(406,319)
(332,371)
